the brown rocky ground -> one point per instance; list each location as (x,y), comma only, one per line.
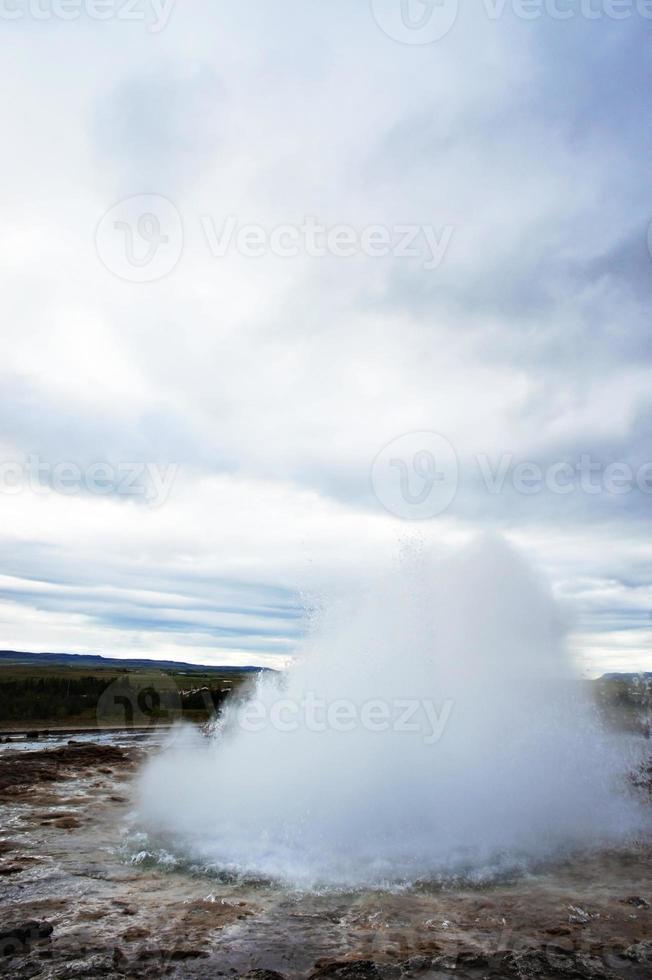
(73,906)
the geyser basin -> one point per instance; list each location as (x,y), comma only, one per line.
(433,725)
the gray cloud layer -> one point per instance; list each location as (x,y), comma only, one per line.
(272,383)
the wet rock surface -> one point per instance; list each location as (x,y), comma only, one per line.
(78,903)
(23,769)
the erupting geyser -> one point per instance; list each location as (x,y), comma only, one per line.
(433,725)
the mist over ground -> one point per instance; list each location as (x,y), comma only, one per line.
(433,725)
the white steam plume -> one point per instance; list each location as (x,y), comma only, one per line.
(505,761)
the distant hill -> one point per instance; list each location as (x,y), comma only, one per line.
(626,700)
(632,678)
(14,657)
(85,691)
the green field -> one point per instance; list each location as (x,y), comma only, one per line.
(46,691)
(67,696)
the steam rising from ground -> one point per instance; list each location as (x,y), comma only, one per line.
(508,763)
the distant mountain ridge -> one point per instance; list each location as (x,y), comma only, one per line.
(96,660)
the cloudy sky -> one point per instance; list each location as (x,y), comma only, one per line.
(286,285)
